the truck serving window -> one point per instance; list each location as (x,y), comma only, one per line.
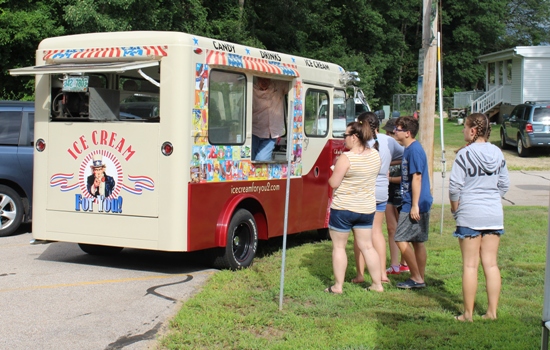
(102,91)
(226,108)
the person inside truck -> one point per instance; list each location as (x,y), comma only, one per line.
(267,116)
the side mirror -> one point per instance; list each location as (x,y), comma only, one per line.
(380,114)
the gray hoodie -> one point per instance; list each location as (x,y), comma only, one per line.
(479,178)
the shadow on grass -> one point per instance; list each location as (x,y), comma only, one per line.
(319,264)
(273,245)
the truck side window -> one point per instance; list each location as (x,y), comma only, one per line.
(316,114)
(226,112)
(339,121)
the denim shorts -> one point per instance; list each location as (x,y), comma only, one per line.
(345,220)
(381,207)
(463,232)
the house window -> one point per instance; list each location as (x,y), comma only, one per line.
(491,73)
(508,70)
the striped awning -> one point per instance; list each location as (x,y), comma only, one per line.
(133,52)
(220,58)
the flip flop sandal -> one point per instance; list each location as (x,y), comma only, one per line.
(329,290)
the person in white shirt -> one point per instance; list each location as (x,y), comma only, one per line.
(267,116)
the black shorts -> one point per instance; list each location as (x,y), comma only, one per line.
(394,195)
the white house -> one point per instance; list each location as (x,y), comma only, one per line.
(514,76)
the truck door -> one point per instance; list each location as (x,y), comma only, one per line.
(317,118)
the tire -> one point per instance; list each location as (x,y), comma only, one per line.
(503,144)
(241,243)
(11,211)
(522,151)
(101,250)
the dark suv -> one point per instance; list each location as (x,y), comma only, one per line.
(528,126)
(16,163)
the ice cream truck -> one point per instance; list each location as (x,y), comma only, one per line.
(143,140)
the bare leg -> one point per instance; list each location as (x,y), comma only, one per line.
(421,257)
(339,258)
(489,251)
(379,242)
(410,256)
(359,264)
(470,263)
(364,242)
(391,224)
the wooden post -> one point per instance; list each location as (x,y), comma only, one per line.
(427,106)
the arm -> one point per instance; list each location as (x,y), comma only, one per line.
(503,179)
(340,169)
(454,206)
(416,186)
(456,181)
(394,179)
(396,151)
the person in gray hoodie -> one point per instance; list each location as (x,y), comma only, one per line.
(479,178)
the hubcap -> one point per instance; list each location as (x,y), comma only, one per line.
(241,242)
(7,211)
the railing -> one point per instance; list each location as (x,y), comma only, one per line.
(464,99)
(490,99)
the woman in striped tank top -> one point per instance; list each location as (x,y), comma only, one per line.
(354,204)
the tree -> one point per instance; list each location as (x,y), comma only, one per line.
(470,28)
(88,16)
(23,25)
(379,39)
(527,23)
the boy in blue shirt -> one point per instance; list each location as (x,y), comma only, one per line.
(414,218)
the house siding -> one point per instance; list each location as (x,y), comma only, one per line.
(536,82)
(517,95)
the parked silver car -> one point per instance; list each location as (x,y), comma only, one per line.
(527,127)
(16,164)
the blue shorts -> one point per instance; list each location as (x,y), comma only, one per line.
(345,220)
(463,232)
(381,207)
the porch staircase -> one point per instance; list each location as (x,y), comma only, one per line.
(489,103)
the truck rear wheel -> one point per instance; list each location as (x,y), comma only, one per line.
(241,243)
(102,250)
(11,211)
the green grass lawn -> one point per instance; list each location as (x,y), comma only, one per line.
(240,310)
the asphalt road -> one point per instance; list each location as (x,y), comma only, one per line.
(55,296)
(526,188)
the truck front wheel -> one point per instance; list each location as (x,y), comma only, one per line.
(241,243)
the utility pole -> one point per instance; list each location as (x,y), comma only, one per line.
(427,105)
